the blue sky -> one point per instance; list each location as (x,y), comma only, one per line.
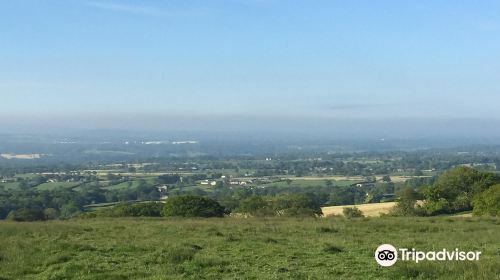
(277,58)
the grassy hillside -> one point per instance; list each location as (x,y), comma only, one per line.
(232,248)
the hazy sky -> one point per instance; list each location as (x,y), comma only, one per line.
(307,59)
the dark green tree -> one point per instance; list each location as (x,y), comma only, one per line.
(406,205)
(192,206)
(488,202)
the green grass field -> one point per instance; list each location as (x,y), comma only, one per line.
(134,183)
(308,183)
(236,248)
(56,185)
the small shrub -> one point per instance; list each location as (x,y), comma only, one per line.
(352,212)
(51,214)
(177,254)
(26,215)
(256,206)
(148,209)
(69,211)
(232,238)
(181,254)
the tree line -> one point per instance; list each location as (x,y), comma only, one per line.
(458,190)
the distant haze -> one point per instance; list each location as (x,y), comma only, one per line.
(274,127)
(338,68)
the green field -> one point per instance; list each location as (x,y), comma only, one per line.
(56,185)
(309,183)
(233,248)
(134,183)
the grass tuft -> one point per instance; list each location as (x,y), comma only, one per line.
(327,230)
(332,249)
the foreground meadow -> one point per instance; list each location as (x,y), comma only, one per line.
(233,248)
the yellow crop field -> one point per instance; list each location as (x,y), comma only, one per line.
(369,210)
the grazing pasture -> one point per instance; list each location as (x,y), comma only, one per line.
(238,248)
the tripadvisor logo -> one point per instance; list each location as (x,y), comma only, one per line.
(387,255)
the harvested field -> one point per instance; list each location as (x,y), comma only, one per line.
(369,210)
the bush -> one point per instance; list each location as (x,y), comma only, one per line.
(69,211)
(488,202)
(256,206)
(437,207)
(147,209)
(180,254)
(296,205)
(299,212)
(352,212)
(291,205)
(51,214)
(26,215)
(407,203)
(192,206)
